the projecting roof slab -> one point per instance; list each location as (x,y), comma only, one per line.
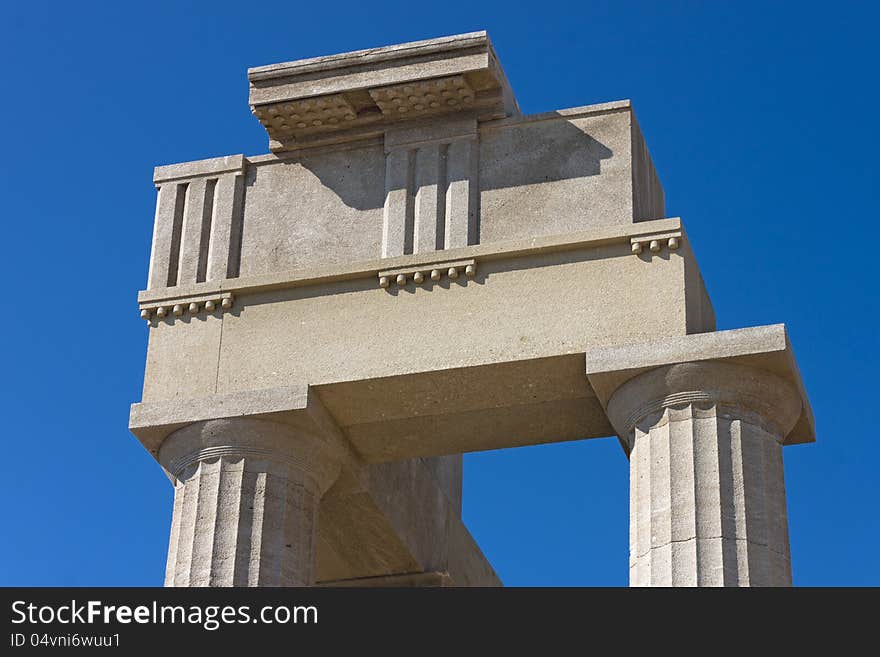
(359,91)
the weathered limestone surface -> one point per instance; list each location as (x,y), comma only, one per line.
(283,330)
(704,438)
(706,485)
(417,270)
(245,503)
(475,183)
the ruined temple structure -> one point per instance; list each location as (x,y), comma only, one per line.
(416,270)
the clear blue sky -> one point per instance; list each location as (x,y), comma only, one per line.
(760,119)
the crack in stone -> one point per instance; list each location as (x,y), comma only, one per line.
(709,538)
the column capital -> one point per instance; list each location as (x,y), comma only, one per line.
(246,497)
(766,398)
(275,445)
(752,370)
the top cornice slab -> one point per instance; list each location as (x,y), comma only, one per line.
(350,95)
(402,51)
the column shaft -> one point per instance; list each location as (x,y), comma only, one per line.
(707,488)
(707,502)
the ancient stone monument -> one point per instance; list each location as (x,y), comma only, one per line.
(417,270)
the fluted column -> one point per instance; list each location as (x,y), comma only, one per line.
(707,491)
(245,503)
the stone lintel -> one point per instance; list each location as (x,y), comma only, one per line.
(762,347)
(490,406)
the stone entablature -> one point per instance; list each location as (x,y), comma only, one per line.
(415,271)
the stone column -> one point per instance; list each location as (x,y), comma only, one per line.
(245,503)
(707,491)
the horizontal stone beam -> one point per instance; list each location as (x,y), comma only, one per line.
(338,272)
